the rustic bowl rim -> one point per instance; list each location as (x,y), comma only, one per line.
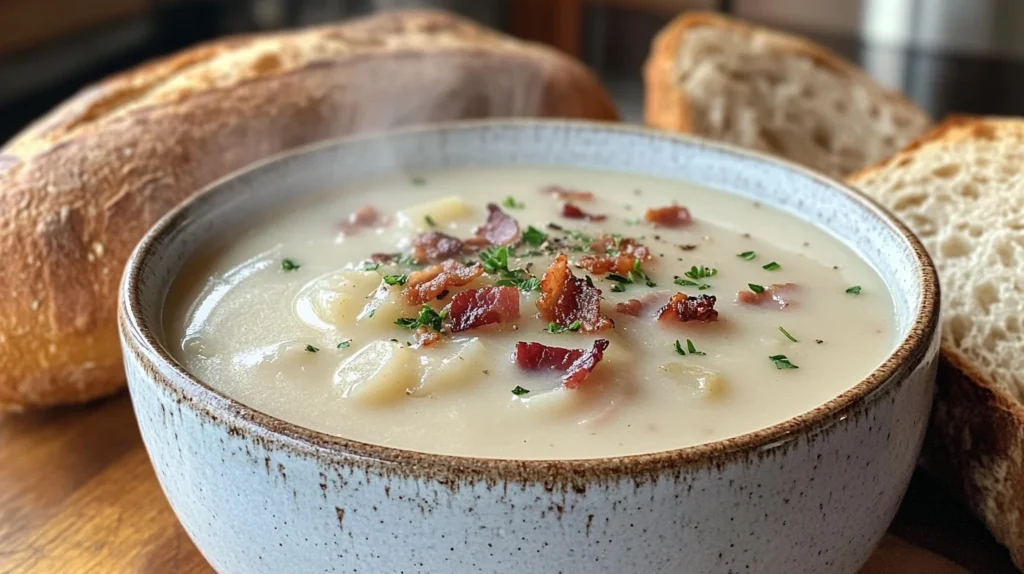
(142,344)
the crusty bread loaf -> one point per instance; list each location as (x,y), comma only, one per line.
(726,80)
(79,187)
(961,189)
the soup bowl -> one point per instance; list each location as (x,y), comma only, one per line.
(257,494)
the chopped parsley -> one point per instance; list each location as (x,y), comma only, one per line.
(773,266)
(746,255)
(855,290)
(756,288)
(396,279)
(531,283)
(590,282)
(701,272)
(534,237)
(618,288)
(311,349)
(430,221)
(688,283)
(289,265)
(556,328)
(689,348)
(344,344)
(373,267)
(786,333)
(495,262)
(781,362)
(427,318)
(633,276)
(520,391)
(511,202)
(419,181)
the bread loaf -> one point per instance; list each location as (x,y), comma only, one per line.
(726,80)
(961,190)
(79,187)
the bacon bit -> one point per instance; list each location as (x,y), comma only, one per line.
(565,194)
(366,216)
(773,296)
(581,369)
(685,309)
(500,228)
(575,363)
(434,247)
(572,212)
(424,285)
(425,336)
(671,216)
(566,298)
(629,251)
(478,307)
(631,307)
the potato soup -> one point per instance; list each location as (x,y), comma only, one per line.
(530,313)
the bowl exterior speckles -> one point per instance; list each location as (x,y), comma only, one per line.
(812,494)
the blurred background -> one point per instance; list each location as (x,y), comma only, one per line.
(948,55)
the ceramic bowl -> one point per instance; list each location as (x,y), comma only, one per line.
(257,494)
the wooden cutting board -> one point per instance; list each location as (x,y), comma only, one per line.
(77,495)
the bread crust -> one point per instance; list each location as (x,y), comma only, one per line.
(79,187)
(666,106)
(975,440)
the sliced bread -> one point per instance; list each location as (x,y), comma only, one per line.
(727,80)
(961,189)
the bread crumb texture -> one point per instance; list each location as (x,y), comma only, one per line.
(765,90)
(961,191)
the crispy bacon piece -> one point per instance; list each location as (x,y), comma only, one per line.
(631,307)
(565,299)
(573,212)
(366,216)
(568,194)
(671,216)
(575,363)
(629,251)
(700,308)
(434,247)
(474,308)
(424,285)
(425,336)
(775,296)
(500,228)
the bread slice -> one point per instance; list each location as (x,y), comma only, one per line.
(726,80)
(80,186)
(961,189)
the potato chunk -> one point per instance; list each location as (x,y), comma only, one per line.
(452,367)
(701,381)
(442,211)
(385,305)
(379,373)
(336,299)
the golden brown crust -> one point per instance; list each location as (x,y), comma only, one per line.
(665,105)
(79,187)
(975,440)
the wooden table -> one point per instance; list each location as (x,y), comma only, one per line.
(77,494)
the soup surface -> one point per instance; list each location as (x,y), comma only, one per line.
(407,312)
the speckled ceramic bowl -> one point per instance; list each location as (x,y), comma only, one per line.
(256,494)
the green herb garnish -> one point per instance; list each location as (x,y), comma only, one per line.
(430,221)
(634,221)
(512,203)
(534,237)
(427,318)
(520,391)
(773,266)
(618,288)
(633,276)
(396,279)
(788,336)
(289,265)
(679,348)
(373,267)
(781,362)
(311,349)
(747,255)
(855,290)
(495,262)
(688,283)
(756,288)
(693,350)
(701,272)
(344,344)
(556,328)
(419,181)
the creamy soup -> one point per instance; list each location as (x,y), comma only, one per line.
(582,314)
